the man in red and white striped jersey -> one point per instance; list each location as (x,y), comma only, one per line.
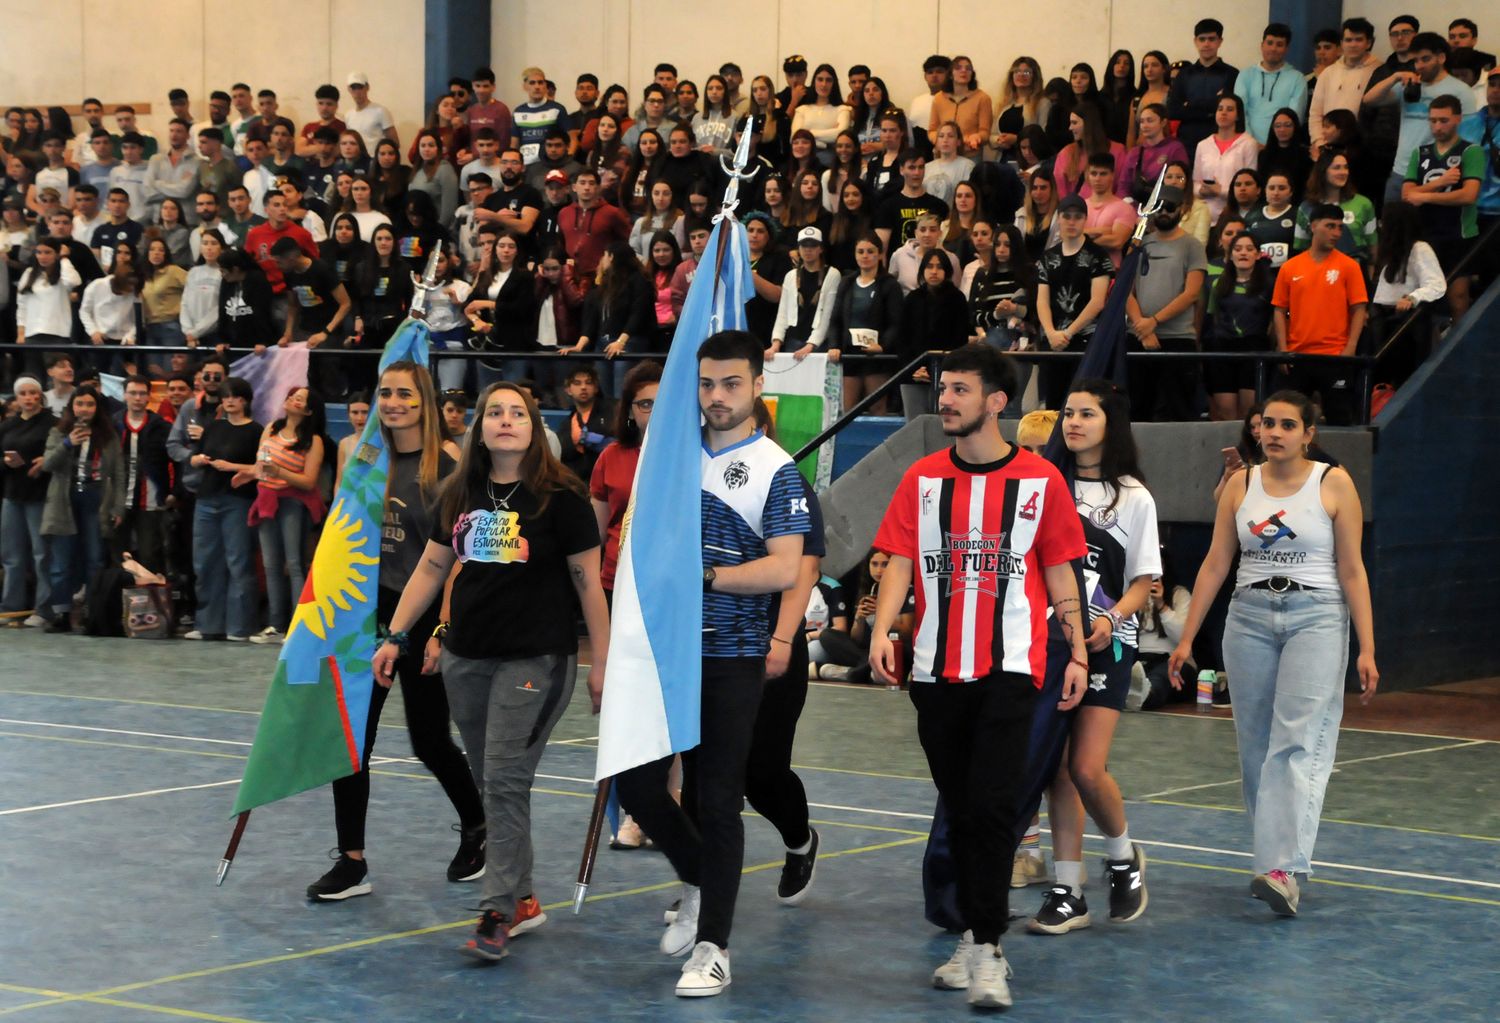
(988,531)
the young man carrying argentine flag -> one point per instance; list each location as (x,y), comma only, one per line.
(755,516)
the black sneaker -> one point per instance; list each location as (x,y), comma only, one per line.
(798,873)
(1061,912)
(346,879)
(1127,885)
(468,862)
(60,623)
(491,939)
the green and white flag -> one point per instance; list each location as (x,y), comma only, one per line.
(805,399)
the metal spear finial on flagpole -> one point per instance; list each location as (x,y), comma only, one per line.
(1149,209)
(737,172)
(427,283)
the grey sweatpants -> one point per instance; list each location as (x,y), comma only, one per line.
(504,710)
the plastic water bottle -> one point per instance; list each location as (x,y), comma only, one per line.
(1206,680)
(899,655)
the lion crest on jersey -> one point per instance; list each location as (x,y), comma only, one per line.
(736,474)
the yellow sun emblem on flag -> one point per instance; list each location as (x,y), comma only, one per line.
(335,576)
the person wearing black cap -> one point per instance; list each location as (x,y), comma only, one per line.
(1160,314)
(1072,285)
(795,69)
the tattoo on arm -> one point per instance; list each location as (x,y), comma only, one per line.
(580,580)
(436,564)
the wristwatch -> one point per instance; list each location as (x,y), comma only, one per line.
(709,575)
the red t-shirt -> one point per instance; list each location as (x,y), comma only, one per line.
(311,127)
(978,537)
(614,476)
(261,237)
(587,233)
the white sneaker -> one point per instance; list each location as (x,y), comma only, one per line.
(954,974)
(682,932)
(706,973)
(236,639)
(1140,688)
(988,972)
(193,634)
(34,622)
(268,635)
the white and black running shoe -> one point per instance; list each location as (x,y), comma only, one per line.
(798,873)
(1127,885)
(1061,912)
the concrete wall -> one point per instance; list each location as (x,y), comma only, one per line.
(622,40)
(125,52)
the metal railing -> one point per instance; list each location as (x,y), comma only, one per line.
(1419,313)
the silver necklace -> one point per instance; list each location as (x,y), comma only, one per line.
(500,502)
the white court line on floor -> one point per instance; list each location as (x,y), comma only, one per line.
(123,731)
(1337,765)
(123,795)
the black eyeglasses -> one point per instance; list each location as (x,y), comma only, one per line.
(212,377)
(644,404)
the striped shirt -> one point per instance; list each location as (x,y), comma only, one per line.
(978,537)
(279,453)
(751,493)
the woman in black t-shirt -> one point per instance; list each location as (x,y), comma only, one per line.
(522,531)
(223,549)
(421,458)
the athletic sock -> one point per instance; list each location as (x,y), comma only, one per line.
(1070,873)
(804,848)
(1031,842)
(1118,847)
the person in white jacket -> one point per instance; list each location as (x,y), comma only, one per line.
(1223,154)
(108,307)
(44,313)
(807,297)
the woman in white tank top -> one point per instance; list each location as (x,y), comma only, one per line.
(1301,582)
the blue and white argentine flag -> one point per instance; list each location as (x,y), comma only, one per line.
(653,677)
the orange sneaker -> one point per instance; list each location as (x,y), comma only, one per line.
(528,916)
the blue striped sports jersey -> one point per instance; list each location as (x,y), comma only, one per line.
(751,492)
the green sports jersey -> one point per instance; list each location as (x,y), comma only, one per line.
(1361,228)
(1448,223)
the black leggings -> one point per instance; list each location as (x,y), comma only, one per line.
(427,725)
(708,848)
(772,787)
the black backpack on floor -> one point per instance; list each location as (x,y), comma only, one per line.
(102,614)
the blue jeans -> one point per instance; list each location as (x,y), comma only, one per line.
(282,541)
(452,374)
(21,541)
(168,333)
(221,540)
(76,558)
(1286,654)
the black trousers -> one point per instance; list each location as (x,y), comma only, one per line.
(772,787)
(1332,386)
(708,848)
(1164,391)
(144,535)
(976,736)
(429,726)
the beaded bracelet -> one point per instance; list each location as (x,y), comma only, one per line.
(401,639)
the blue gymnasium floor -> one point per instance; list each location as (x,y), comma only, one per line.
(118,766)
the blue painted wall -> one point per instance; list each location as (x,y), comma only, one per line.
(1435,575)
(457,41)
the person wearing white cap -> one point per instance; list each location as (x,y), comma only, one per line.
(807,297)
(371,120)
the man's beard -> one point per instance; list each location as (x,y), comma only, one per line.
(960,428)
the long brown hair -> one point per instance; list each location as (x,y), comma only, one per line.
(429,425)
(101,429)
(541,472)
